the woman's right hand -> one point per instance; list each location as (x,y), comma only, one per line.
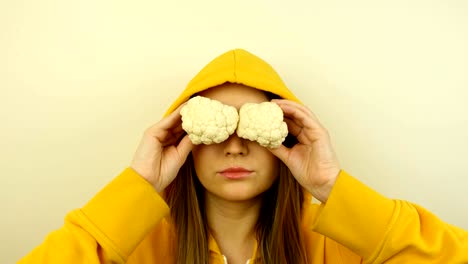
(161,153)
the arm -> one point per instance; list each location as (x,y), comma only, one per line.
(382,230)
(379,229)
(106,229)
(118,218)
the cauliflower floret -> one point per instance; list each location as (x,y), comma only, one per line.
(208,121)
(263,123)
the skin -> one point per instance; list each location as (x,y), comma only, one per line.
(235,152)
(233,205)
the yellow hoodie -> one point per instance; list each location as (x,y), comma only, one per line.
(126,222)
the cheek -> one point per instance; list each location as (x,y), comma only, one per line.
(270,162)
(200,151)
(274,165)
(202,154)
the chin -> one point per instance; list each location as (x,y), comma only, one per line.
(238,193)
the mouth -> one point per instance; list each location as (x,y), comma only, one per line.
(236,173)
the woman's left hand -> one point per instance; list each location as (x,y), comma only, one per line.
(312,161)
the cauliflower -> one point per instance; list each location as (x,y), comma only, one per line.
(263,123)
(208,121)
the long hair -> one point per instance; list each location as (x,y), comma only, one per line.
(279,225)
(185,197)
(278,228)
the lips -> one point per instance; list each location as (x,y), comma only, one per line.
(235,173)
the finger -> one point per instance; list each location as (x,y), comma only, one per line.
(172,138)
(300,116)
(166,126)
(293,128)
(184,148)
(177,129)
(171,121)
(296,106)
(299,106)
(282,152)
(299,132)
(292,109)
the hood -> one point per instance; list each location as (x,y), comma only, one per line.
(235,66)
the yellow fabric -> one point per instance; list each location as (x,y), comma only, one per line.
(235,66)
(126,223)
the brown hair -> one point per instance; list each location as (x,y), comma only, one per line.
(278,227)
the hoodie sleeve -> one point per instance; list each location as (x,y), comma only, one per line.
(108,228)
(382,230)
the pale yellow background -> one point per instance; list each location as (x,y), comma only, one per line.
(81,80)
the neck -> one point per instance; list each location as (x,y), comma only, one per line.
(232,224)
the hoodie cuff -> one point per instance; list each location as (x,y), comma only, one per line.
(124,212)
(355,216)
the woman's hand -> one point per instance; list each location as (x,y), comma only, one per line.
(312,160)
(161,153)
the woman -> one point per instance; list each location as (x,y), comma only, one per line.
(177,204)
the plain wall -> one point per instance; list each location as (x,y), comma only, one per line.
(81,80)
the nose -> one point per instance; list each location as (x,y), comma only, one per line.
(235,145)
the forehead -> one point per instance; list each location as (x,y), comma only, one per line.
(235,94)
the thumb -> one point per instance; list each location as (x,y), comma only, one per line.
(184,148)
(282,152)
